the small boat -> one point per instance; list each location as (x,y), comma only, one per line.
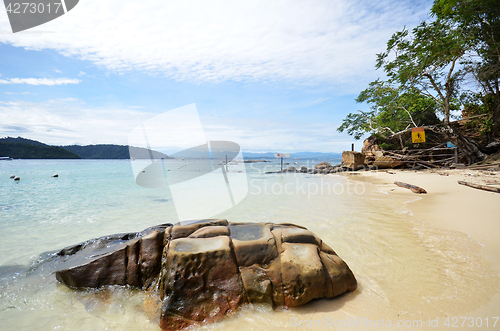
(5,158)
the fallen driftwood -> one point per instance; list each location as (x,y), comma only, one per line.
(479,186)
(413,188)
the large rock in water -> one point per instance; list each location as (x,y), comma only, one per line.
(204,270)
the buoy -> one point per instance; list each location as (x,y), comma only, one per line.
(55,175)
(12,176)
(17,178)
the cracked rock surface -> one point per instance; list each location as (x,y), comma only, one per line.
(205,269)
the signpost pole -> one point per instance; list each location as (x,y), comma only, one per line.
(281,156)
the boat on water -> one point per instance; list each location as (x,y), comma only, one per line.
(5,158)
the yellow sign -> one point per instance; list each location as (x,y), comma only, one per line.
(417,135)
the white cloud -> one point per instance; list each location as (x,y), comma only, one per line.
(312,42)
(288,136)
(58,71)
(66,121)
(40,81)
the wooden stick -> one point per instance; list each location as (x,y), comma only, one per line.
(413,188)
(481,187)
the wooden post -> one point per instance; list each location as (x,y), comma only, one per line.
(352,147)
(282,164)
(456,155)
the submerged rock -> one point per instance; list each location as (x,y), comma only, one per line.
(204,270)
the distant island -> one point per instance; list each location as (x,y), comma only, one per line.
(22,148)
(297,155)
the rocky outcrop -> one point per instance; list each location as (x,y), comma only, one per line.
(323,166)
(353,160)
(370,146)
(204,270)
(386,162)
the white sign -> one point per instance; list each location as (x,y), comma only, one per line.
(282,155)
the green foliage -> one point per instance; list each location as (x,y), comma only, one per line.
(479,21)
(356,125)
(22,148)
(30,151)
(100,151)
(426,61)
(113,152)
(476,104)
(391,110)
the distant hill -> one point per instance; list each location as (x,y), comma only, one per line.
(298,155)
(113,152)
(22,140)
(32,150)
(22,148)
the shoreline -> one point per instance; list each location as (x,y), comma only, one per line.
(451,207)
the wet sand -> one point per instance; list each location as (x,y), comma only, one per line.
(457,208)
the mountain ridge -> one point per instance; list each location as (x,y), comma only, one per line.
(23,148)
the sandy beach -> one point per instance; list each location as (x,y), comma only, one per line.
(453,207)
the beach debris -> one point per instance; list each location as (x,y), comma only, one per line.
(413,188)
(17,178)
(479,186)
(12,176)
(203,270)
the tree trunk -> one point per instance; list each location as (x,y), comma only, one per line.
(495,117)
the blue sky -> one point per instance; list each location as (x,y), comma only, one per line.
(271,76)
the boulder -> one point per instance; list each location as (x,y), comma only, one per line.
(323,166)
(200,282)
(353,160)
(386,162)
(203,270)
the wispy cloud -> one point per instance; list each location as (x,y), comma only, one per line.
(40,81)
(306,42)
(66,121)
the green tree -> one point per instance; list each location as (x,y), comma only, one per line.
(427,61)
(391,111)
(479,20)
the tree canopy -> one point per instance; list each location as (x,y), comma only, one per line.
(450,63)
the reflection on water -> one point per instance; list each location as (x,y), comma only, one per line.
(406,268)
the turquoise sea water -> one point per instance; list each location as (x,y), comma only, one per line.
(404,266)
(90,198)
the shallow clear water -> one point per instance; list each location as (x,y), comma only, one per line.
(405,267)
